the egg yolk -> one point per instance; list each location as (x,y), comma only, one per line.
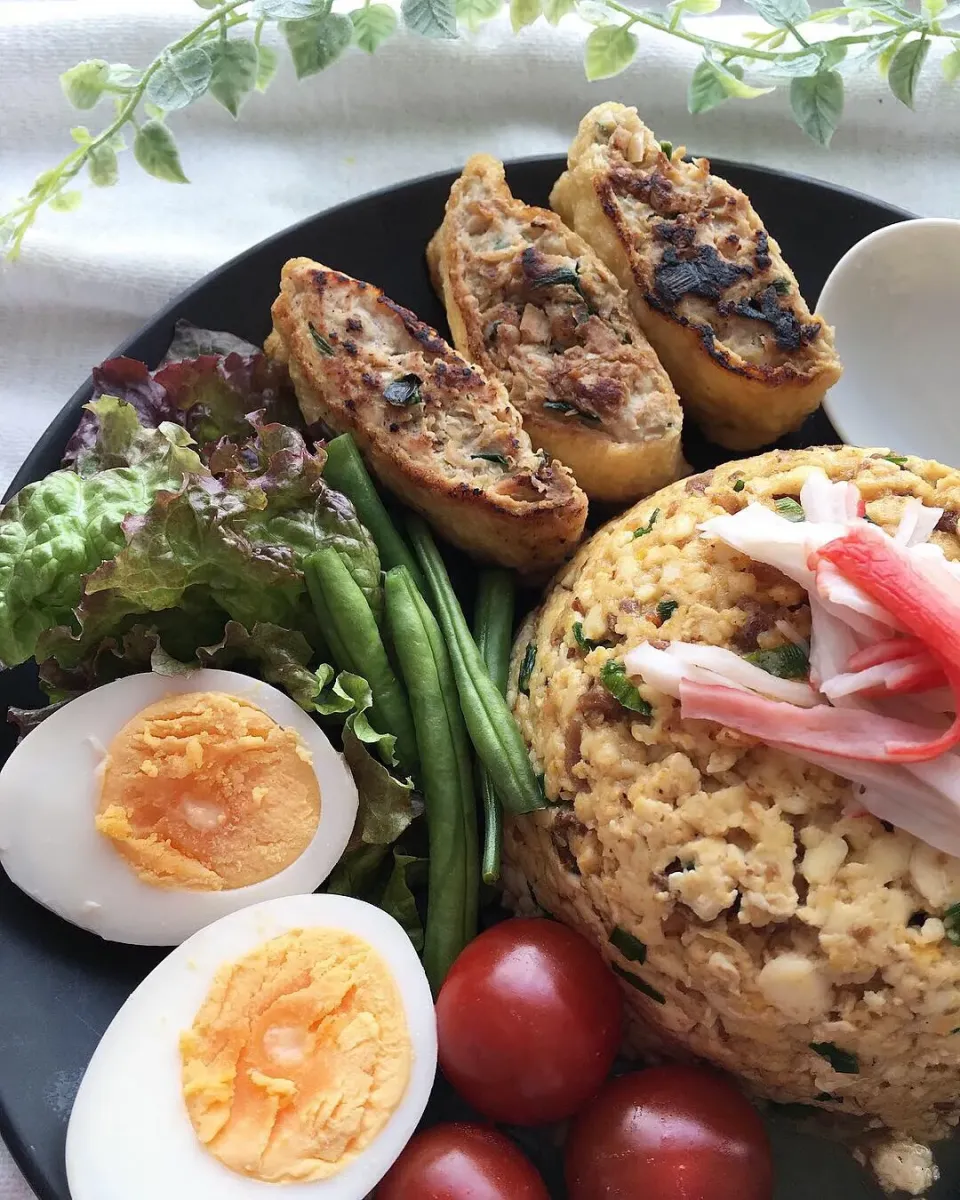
(297,1057)
(205,791)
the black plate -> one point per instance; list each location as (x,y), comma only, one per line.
(59,986)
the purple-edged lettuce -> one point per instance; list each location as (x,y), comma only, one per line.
(188,500)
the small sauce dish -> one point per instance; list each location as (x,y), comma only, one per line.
(894,300)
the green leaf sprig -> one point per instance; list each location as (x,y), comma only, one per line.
(226,57)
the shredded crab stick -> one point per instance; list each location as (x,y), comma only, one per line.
(899,676)
(860,612)
(665,669)
(910,585)
(849,732)
(916,523)
(885,652)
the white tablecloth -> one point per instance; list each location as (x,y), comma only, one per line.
(88,279)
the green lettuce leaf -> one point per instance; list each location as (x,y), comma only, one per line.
(241,535)
(387,805)
(56,531)
(357,871)
(397,897)
(370,873)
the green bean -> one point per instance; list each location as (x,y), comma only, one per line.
(426,670)
(493,731)
(351,629)
(461,740)
(493,629)
(345,471)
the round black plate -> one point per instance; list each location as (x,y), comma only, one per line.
(59,986)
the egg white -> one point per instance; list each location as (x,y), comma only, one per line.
(130,1134)
(50,790)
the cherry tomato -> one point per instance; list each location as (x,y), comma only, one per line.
(676,1133)
(528,1022)
(461,1162)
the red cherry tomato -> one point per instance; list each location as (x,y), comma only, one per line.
(461,1162)
(674,1133)
(528,1022)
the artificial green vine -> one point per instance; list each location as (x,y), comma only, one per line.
(214,58)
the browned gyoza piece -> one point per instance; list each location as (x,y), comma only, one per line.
(532,305)
(706,281)
(431,427)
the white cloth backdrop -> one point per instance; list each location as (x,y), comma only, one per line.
(88,279)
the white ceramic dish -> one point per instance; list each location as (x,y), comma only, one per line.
(894,300)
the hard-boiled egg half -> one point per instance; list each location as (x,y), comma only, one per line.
(152,806)
(293,1043)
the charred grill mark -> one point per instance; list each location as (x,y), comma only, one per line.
(354,325)
(696,271)
(369,380)
(785,372)
(677,233)
(350,347)
(782,373)
(419,330)
(761,254)
(654,189)
(789,333)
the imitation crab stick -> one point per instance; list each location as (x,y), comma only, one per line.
(851,732)
(884,652)
(899,583)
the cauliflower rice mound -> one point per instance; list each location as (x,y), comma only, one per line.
(774,912)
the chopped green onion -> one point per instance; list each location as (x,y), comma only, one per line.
(558,278)
(526,668)
(666,609)
(640,984)
(643,530)
(568,409)
(629,946)
(781,286)
(951,923)
(842,1061)
(320,341)
(500,459)
(788,661)
(789,508)
(739,485)
(404,391)
(586,644)
(897,459)
(667,148)
(613,676)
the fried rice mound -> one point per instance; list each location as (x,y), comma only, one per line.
(775,929)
